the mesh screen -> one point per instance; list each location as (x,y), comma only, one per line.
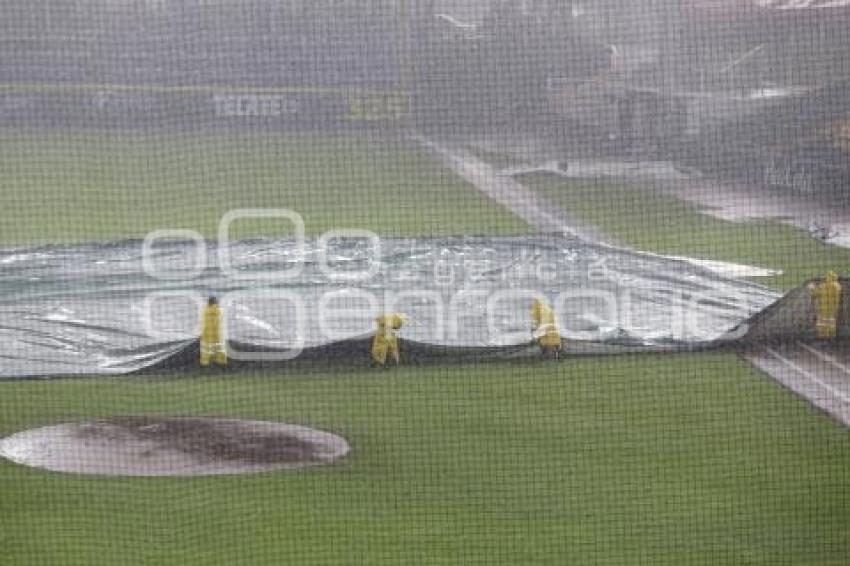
(424,282)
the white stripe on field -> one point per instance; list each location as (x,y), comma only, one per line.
(826,357)
(838,394)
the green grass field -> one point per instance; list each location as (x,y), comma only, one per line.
(692,459)
(688,459)
(64,186)
(640,217)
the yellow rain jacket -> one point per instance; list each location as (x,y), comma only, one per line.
(544,326)
(385,342)
(827,297)
(212,336)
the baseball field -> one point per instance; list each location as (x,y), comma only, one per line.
(658,459)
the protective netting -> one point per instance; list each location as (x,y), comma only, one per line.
(457,282)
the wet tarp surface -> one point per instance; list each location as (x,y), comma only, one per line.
(792,318)
(116,309)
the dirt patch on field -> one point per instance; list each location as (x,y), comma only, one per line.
(207,440)
(150,446)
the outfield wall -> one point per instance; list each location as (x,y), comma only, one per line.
(189,107)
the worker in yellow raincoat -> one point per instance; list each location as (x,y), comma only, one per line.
(827,298)
(212,335)
(545,329)
(385,343)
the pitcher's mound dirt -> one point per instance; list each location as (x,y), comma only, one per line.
(150,446)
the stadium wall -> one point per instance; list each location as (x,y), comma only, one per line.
(128,106)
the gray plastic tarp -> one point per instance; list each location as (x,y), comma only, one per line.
(108,309)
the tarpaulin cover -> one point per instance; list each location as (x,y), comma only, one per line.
(105,309)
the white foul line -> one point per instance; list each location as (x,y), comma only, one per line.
(809,375)
(826,357)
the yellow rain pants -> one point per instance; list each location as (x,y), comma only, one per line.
(212,337)
(385,343)
(545,328)
(827,297)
